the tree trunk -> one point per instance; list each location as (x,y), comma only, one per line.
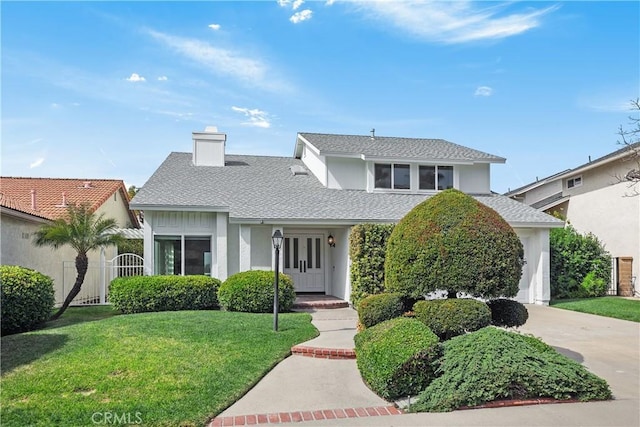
(82,264)
(452,294)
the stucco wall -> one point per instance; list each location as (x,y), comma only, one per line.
(346,174)
(315,163)
(542,192)
(613,217)
(338,262)
(474,178)
(261,247)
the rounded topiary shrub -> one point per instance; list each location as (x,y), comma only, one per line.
(378,308)
(140,294)
(454,316)
(453,242)
(252,292)
(398,357)
(507,313)
(27,298)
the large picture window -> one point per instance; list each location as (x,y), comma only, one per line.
(182,255)
(396,176)
(435,177)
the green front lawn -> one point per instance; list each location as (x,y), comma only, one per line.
(168,368)
(616,307)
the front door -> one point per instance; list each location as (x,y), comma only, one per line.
(304,261)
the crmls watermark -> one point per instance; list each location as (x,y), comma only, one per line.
(116,418)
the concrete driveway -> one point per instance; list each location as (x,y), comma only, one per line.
(610,348)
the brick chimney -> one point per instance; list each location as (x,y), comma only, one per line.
(208,147)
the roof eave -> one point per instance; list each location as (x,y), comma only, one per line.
(177,208)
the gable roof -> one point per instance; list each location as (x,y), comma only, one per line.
(382,147)
(16,194)
(623,153)
(265,190)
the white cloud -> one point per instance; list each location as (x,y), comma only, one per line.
(454,21)
(296,4)
(214,27)
(284,3)
(303,15)
(257,118)
(55,105)
(163,78)
(483,91)
(36,163)
(329,2)
(135,77)
(220,61)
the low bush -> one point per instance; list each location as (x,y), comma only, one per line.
(252,292)
(507,313)
(592,286)
(453,316)
(397,358)
(378,308)
(141,294)
(27,298)
(493,364)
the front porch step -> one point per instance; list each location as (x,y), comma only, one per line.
(318,302)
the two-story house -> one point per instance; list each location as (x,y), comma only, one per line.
(595,197)
(208,212)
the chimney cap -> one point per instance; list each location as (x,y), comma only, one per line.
(212,129)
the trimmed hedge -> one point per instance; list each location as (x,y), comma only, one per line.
(252,292)
(493,364)
(141,294)
(396,358)
(454,316)
(507,313)
(27,298)
(453,242)
(367,248)
(378,308)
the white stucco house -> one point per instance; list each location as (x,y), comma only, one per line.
(596,198)
(208,212)
(27,203)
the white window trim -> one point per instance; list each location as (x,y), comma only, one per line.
(573,181)
(182,237)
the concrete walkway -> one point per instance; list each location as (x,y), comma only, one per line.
(304,388)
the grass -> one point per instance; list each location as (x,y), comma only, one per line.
(616,307)
(164,369)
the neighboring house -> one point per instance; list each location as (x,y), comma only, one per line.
(595,198)
(207,212)
(27,203)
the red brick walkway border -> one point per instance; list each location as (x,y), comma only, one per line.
(300,416)
(323,353)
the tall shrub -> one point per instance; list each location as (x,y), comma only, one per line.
(367,248)
(573,257)
(26,296)
(453,242)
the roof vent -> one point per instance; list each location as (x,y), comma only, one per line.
(64,201)
(298,170)
(373,133)
(86,184)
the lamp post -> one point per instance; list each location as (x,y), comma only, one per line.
(277,243)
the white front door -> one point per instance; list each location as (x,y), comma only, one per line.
(304,261)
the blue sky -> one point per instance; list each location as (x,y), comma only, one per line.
(108,90)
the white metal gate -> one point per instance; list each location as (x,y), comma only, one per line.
(95,289)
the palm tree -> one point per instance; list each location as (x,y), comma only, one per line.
(84,231)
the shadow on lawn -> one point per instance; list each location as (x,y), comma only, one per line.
(22,349)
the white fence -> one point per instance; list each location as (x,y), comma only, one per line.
(95,289)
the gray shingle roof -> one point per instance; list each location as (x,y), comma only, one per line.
(264,188)
(397,148)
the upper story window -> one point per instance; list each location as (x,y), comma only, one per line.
(435,177)
(574,182)
(396,176)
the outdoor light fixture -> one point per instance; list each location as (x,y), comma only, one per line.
(331,241)
(277,244)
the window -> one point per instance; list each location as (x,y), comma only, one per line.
(392,176)
(170,257)
(435,177)
(574,182)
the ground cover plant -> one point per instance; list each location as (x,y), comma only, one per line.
(396,357)
(167,368)
(139,294)
(26,297)
(616,307)
(493,364)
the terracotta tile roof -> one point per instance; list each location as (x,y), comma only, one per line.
(16,194)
